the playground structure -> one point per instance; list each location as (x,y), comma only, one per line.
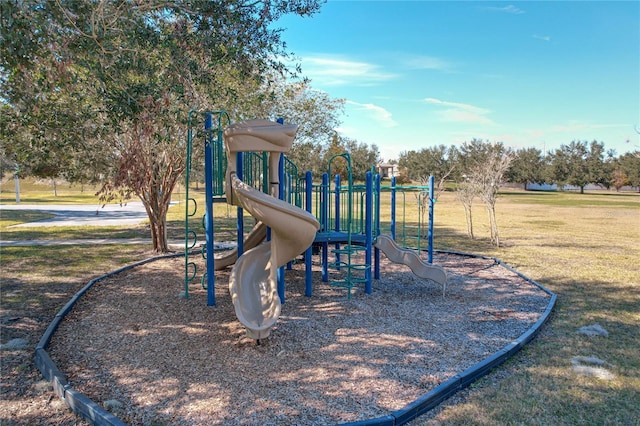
(325,199)
(245,166)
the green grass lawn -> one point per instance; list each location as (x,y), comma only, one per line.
(35,191)
(585,248)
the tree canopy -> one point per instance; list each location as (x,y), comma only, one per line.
(101,90)
(527,167)
(578,164)
(436,160)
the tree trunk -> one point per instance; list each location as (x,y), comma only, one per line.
(159,236)
(491,236)
(157,207)
(469,218)
(495,226)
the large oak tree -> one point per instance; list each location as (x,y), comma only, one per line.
(101,90)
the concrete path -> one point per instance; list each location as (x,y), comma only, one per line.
(84,214)
(174,245)
(93,241)
(92,215)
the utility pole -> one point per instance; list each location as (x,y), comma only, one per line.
(16,179)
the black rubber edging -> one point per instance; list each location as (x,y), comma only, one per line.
(460,381)
(77,402)
(92,411)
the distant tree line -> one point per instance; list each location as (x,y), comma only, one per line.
(315,157)
(578,164)
(478,168)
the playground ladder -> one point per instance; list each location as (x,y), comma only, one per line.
(352,273)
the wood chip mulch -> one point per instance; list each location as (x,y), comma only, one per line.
(134,339)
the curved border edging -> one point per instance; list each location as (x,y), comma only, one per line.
(90,410)
(77,402)
(460,381)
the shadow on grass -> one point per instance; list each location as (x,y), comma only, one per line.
(75,198)
(76,232)
(14,217)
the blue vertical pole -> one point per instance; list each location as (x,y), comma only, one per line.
(376,231)
(281,196)
(324,212)
(368,222)
(393,208)
(430,234)
(308,278)
(240,212)
(337,216)
(208,172)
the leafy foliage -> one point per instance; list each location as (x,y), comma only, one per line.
(485,165)
(101,90)
(436,161)
(527,167)
(628,166)
(578,164)
(439,161)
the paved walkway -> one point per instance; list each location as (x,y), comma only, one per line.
(174,245)
(84,214)
(97,241)
(90,215)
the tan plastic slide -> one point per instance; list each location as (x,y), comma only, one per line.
(255,237)
(410,258)
(253,282)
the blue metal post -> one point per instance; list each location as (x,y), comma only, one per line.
(308,278)
(368,222)
(208,172)
(430,232)
(324,221)
(376,231)
(336,226)
(286,189)
(240,212)
(281,197)
(393,208)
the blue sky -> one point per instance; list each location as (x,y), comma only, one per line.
(529,74)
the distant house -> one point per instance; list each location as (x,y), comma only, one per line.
(386,170)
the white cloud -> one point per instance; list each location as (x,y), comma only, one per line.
(377,113)
(577,126)
(459,112)
(338,71)
(542,37)
(507,9)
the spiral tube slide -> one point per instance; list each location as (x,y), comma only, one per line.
(255,237)
(253,282)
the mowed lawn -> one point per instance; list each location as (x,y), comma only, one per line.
(585,248)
